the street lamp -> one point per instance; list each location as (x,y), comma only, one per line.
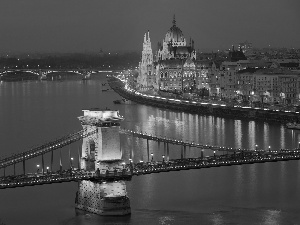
(38,168)
(151,157)
(163,156)
(47,169)
(71,162)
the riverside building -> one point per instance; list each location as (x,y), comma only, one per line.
(174,66)
(269,85)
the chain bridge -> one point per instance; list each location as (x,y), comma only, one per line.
(101,170)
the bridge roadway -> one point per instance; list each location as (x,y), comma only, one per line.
(48,147)
(70,138)
(33,179)
(213,161)
(143,168)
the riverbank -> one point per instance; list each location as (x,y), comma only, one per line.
(203,108)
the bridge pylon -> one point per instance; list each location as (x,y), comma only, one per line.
(101,153)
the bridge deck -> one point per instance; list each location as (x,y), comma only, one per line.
(135,169)
(60,177)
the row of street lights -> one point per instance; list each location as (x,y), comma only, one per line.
(141,161)
(38,166)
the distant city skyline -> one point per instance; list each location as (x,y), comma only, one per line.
(88,26)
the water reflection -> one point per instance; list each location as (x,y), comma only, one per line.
(266,136)
(49,109)
(165,220)
(272,217)
(217,219)
(282,137)
(252,180)
(238,133)
(238,182)
(283,176)
(251,135)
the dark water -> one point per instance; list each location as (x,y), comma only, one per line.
(32,113)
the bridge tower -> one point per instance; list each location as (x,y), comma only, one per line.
(101,152)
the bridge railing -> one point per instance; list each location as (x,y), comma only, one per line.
(147,167)
(62,176)
(213,161)
(50,146)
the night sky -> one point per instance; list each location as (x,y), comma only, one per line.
(111,25)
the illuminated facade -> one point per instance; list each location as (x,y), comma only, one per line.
(174,66)
(246,47)
(146,76)
(269,85)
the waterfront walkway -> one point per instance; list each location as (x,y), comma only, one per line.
(203,108)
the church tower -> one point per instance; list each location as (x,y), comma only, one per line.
(146,64)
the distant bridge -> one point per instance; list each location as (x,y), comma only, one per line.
(45,72)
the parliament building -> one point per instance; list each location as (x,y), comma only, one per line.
(173,67)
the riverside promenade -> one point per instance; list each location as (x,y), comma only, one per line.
(202,108)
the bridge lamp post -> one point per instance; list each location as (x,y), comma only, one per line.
(72,162)
(269,148)
(256,147)
(151,157)
(163,156)
(38,168)
(47,169)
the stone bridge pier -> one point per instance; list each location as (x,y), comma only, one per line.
(101,152)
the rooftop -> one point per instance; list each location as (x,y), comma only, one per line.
(99,109)
(269,71)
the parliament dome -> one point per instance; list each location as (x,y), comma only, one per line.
(174,34)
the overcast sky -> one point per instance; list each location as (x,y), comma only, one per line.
(89,25)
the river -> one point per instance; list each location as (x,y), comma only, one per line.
(35,112)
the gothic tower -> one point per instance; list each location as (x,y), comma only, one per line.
(101,152)
(146,64)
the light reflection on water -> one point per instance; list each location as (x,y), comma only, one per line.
(215,131)
(249,194)
(251,136)
(272,217)
(238,133)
